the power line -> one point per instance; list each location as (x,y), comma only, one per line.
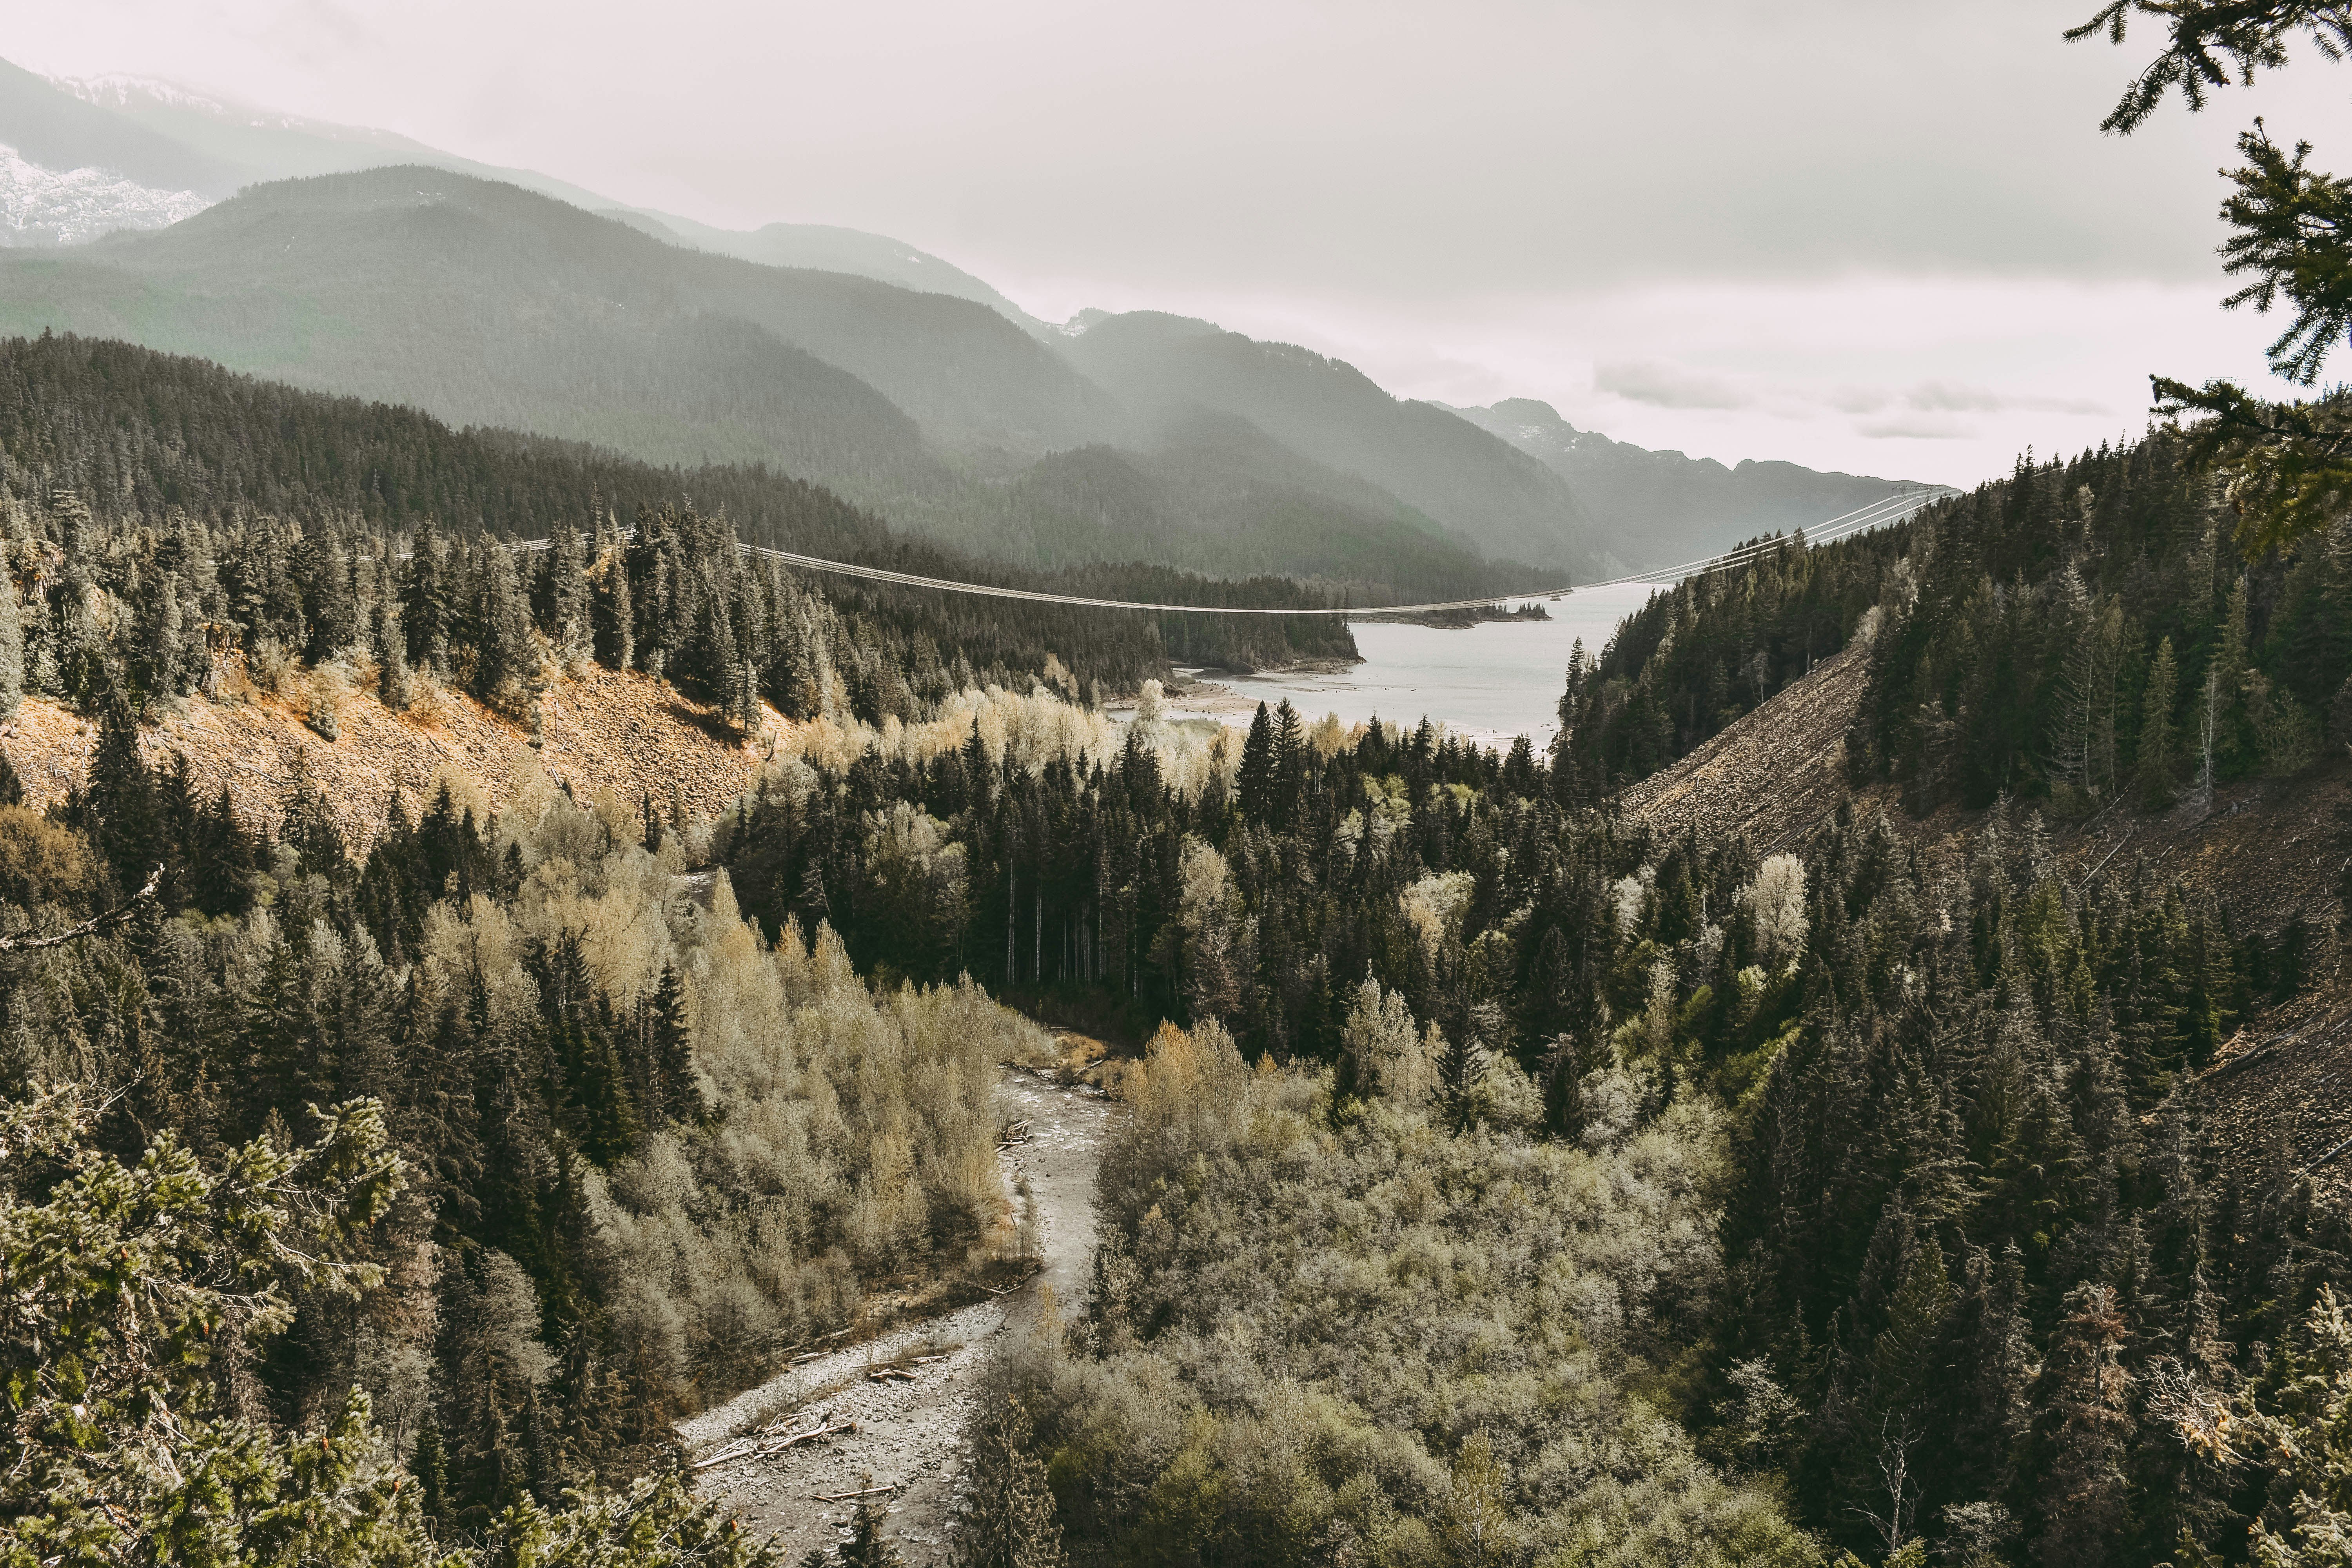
(1888,509)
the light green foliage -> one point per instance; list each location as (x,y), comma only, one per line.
(2307,1436)
(1383,1344)
(1384,1054)
(132,1289)
(1218,955)
(1775,900)
(852,1133)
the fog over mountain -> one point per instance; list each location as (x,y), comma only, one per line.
(1677,507)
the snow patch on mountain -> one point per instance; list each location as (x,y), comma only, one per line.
(45,207)
(117,90)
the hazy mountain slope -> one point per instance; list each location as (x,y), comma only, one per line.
(396,314)
(1659,508)
(56,131)
(1206,506)
(484,302)
(1475,485)
(254,146)
(825,248)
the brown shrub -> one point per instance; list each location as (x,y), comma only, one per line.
(41,862)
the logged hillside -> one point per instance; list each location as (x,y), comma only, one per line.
(640,739)
(2269,852)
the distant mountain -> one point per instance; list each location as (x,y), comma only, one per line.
(148,153)
(53,129)
(825,249)
(1479,489)
(1660,509)
(486,304)
(1219,495)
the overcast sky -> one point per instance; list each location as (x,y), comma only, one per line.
(1871,235)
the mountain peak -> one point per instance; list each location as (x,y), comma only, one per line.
(1531,411)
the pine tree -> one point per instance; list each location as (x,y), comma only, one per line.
(2158,777)
(668,1048)
(505,658)
(867,1547)
(12,646)
(163,659)
(616,620)
(1288,764)
(2084,1425)
(126,816)
(1008,1519)
(564,599)
(426,607)
(1254,783)
(428,1461)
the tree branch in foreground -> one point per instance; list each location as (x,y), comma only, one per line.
(89,927)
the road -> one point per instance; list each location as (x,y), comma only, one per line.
(910,1434)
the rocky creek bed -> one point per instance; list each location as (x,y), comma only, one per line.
(909,1425)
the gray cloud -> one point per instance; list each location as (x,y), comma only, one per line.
(1959,397)
(1667,386)
(1392,149)
(1917,427)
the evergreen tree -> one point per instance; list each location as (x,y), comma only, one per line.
(867,1547)
(426,603)
(124,814)
(1254,783)
(563,599)
(505,658)
(1008,1519)
(616,617)
(2292,234)
(668,1052)
(2158,772)
(12,646)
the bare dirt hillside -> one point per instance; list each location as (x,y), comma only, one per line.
(1776,775)
(627,731)
(2281,1092)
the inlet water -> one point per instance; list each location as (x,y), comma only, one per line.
(1489,682)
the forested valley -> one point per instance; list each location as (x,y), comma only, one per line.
(1500,1180)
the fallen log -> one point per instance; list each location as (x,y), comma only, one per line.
(845,1497)
(813,1435)
(737,1452)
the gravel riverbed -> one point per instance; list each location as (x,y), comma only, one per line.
(910,1434)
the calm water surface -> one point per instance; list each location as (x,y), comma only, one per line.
(1490,683)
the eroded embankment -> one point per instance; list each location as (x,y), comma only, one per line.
(906,1445)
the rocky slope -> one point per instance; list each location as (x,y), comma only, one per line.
(625,732)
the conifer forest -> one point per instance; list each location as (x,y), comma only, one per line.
(565,1006)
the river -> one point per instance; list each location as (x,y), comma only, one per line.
(1489,682)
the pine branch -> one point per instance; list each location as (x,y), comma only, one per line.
(2214,43)
(91,927)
